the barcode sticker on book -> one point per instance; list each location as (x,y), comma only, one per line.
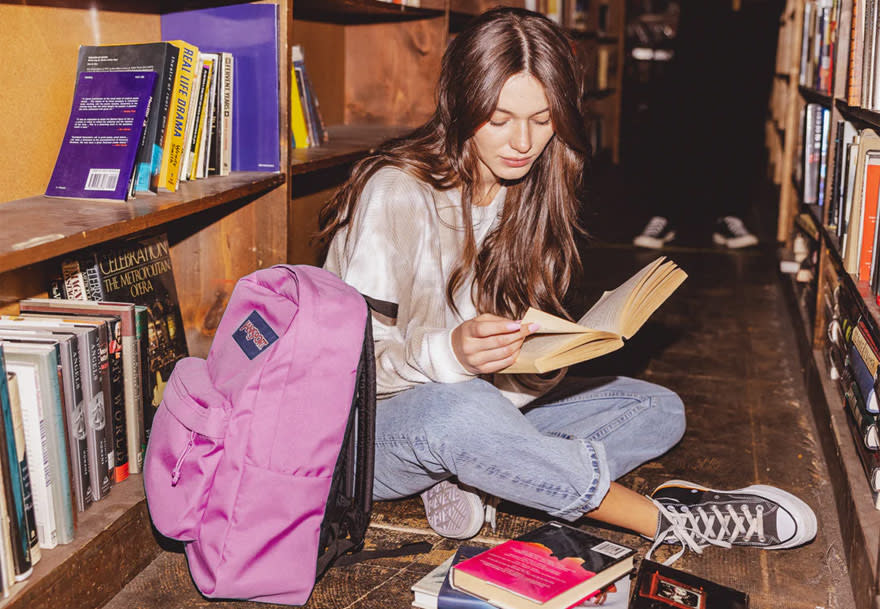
(610,549)
(102,179)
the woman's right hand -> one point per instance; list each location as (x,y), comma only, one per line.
(489,343)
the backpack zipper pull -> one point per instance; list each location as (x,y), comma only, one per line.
(175,473)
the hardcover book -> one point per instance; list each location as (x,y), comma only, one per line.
(17,489)
(658,586)
(74,407)
(97,156)
(45,358)
(130,360)
(159,57)
(93,373)
(616,316)
(552,567)
(139,271)
(250,33)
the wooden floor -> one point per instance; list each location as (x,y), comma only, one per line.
(725,343)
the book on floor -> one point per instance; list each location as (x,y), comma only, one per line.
(552,567)
(658,586)
(616,316)
(97,156)
(434,591)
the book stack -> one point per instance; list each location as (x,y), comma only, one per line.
(78,382)
(555,566)
(146,117)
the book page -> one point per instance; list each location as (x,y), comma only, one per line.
(608,313)
(661,285)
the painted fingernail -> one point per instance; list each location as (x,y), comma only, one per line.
(513,326)
(534,327)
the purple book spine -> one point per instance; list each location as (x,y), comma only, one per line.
(250,33)
(97,155)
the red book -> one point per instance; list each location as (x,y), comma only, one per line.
(869,215)
(552,567)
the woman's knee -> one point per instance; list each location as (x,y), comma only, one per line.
(460,409)
(671,413)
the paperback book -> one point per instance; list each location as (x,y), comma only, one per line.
(159,57)
(552,567)
(616,316)
(98,153)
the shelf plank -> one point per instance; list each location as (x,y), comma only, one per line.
(347,144)
(50,227)
(354,11)
(814,96)
(600,93)
(112,544)
(867,118)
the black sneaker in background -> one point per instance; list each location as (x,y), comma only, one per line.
(656,234)
(758,516)
(731,232)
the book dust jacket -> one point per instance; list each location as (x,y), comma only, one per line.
(139,271)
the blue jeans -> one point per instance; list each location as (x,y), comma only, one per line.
(557,455)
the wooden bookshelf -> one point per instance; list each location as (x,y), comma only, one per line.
(220,228)
(374,66)
(113,543)
(859,520)
(52,227)
(348,143)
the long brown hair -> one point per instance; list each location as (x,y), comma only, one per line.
(530,258)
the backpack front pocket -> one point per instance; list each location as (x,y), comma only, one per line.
(185,447)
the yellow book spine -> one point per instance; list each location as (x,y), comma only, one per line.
(298,128)
(175,127)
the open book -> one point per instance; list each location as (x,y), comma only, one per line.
(616,316)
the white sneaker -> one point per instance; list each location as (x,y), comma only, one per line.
(731,232)
(452,511)
(656,234)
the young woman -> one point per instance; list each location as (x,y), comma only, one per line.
(453,232)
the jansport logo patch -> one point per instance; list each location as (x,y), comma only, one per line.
(254,335)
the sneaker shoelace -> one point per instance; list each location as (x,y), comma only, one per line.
(655,226)
(736,226)
(491,506)
(718,526)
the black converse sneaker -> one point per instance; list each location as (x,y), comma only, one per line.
(731,232)
(758,516)
(656,233)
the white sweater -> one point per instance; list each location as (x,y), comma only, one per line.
(401,246)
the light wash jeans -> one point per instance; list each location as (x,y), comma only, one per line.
(557,455)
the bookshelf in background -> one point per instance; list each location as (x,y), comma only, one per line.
(374,70)
(823,124)
(220,228)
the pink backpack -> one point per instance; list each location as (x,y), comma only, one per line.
(260,458)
